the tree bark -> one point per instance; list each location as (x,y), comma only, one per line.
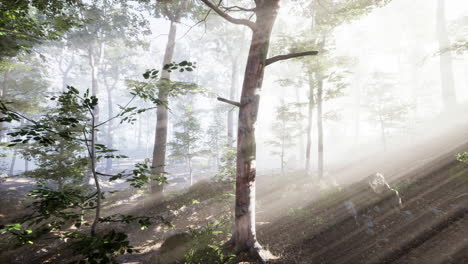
(244,236)
(160,142)
(309,122)
(110,138)
(3,97)
(232,94)
(446,64)
(320,125)
(13,162)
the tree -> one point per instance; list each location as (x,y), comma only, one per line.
(174,11)
(244,237)
(446,64)
(386,110)
(285,130)
(186,143)
(73,121)
(25,23)
(215,139)
(60,162)
(326,16)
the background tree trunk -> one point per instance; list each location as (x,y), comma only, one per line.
(309,122)
(12,164)
(320,124)
(3,97)
(446,64)
(160,142)
(232,95)
(110,138)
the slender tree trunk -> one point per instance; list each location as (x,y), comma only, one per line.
(446,64)
(282,153)
(309,122)
(13,162)
(66,72)
(110,136)
(382,133)
(3,97)
(190,170)
(244,236)
(357,111)
(232,94)
(140,130)
(94,81)
(160,142)
(320,125)
(60,184)
(92,157)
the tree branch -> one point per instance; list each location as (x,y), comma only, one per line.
(229,101)
(229,18)
(238,8)
(289,56)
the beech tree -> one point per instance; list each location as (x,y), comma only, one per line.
(446,64)
(174,11)
(244,236)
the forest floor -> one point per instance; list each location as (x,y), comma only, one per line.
(300,222)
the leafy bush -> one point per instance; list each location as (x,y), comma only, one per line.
(463,157)
(206,244)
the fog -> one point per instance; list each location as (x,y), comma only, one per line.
(395,95)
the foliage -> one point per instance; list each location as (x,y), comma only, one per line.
(206,244)
(463,157)
(140,176)
(73,121)
(286,129)
(24,23)
(227,169)
(151,89)
(22,235)
(386,110)
(215,136)
(102,248)
(187,137)
(175,10)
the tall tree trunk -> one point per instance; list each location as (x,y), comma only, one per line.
(232,94)
(309,122)
(94,81)
(110,136)
(159,151)
(320,124)
(3,97)
(282,151)
(446,64)
(382,133)
(13,162)
(140,130)
(190,170)
(244,236)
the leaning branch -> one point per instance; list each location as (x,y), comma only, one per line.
(238,8)
(229,18)
(229,101)
(289,56)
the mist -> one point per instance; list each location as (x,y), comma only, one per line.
(281,131)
